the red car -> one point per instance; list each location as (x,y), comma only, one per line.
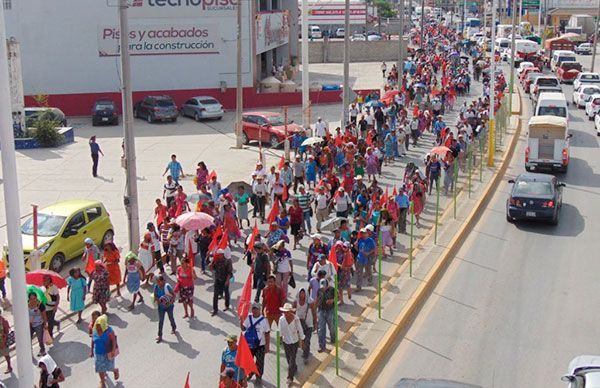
(523,75)
(270,126)
(568,71)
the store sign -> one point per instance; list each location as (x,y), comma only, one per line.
(181,8)
(272,30)
(334,13)
(161,39)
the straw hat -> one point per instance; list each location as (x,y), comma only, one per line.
(287,307)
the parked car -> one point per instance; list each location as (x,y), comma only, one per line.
(523,66)
(105,112)
(202,107)
(592,107)
(597,124)
(586,78)
(584,93)
(269,127)
(534,197)
(156,108)
(584,49)
(358,37)
(531,76)
(584,372)
(373,36)
(62,227)
(526,71)
(339,33)
(314,32)
(568,71)
(33,113)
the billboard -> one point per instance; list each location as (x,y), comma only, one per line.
(322,13)
(272,30)
(161,39)
(181,8)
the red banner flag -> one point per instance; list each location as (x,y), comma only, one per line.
(285,194)
(244,359)
(395,192)
(215,238)
(224,241)
(385,197)
(252,238)
(369,140)
(187,381)
(273,213)
(281,163)
(333,257)
(213,174)
(244,302)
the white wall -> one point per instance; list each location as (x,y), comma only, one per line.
(59,46)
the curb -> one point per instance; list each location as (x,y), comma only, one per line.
(432,278)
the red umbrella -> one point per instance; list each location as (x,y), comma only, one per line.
(37,278)
(440,150)
(388,97)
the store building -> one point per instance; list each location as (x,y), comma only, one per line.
(182,48)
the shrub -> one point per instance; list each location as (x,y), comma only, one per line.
(45,131)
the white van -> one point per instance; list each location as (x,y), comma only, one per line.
(561,56)
(502,43)
(314,32)
(547,144)
(552,104)
(523,47)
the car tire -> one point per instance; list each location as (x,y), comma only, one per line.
(219,118)
(527,168)
(57,262)
(149,118)
(109,235)
(274,141)
(175,120)
(197,117)
(555,219)
(116,122)
(245,139)
(508,219)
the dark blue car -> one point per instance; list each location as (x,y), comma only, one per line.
(535,197)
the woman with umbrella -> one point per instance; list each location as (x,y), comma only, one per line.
(38,320)
(53,298)
(101,293)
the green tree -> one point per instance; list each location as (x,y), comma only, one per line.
(385,9)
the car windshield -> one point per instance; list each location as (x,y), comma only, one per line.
(104,105)
(547,82)
(589,77)
(276,120)
(48,225)
(164,103)
(552,111)
(532,188)
(571,66)
(591,90)
(208,101)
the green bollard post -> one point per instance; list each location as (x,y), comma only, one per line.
(437,210)
(335,323)
(455,178)
(379,256)
(469,166)
(278,339)
(480,159)
(412,223)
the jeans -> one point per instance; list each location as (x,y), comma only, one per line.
(360,270)
(260,284)
(402,219)
(38,331)
(260,206)
(259,356)
(203,260)
(325,319)
(161,319)
(94,164)
(308,226)
(220,287)
(51,317)
(290,355)
(307,335)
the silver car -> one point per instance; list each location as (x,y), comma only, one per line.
(584,371)
(202,107)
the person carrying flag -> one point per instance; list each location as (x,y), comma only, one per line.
(257,332)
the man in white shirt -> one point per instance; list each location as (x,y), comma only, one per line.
(292,337)
(322,206)
(259,189)
(353,112)
(170,190)
(257,331)
(383,68)
(277,189)
(320,128)
(369,119)
(342,202)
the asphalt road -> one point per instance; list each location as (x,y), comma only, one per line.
(518,302)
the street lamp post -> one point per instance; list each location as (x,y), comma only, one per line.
(305,71)
(346,91)
(13,223)
(239,99)
(595,38)
(512,53)
(492,113)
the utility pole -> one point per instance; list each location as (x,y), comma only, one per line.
(305,71)
(13,223)
(540,19)
(520,12)
(545,22)
(423,25)
(239,97)
(464,18)
(492,112)
(131,198)
(595,38)
(511,81)
(400,65)
(346,91)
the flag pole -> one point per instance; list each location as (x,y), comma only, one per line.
(379,254)
(437,210)
(278,339)
(335,323)
(455,178)
(412,223)
(470,167)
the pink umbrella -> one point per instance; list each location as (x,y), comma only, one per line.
(37,278)
(440,150)
(194,220)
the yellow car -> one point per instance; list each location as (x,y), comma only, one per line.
(62,227)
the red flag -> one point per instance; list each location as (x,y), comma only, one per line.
(281,163)
(224,241)
(179,210)
(369,140)
(243,357)
(213,174)
(187,381)
(395,192)
(244,303)
(285,195)
(253,237)
(191,253)
(273,213)
(373,199)
(215,238)
(333,257)
(385,197)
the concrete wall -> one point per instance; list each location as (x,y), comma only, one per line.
(333,51)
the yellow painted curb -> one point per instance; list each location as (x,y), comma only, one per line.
(435,273)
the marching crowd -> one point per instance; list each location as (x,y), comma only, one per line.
(331,184)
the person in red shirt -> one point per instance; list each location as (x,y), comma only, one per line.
(228,379)
(296,219)
(273,299)
(185,286)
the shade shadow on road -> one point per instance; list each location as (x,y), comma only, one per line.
(583,139)
(571,224)
(580,174)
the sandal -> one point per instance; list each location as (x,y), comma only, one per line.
(116,372)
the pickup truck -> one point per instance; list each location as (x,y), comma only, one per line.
(584,49)
(566,72)
(547,144)
(546,82)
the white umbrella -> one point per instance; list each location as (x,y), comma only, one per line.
(312,141)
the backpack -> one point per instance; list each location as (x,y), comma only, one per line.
(252,335)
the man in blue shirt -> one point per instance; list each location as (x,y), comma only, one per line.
(174,168)
(96,152)
(228,359)
(403,204)
(366,248)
